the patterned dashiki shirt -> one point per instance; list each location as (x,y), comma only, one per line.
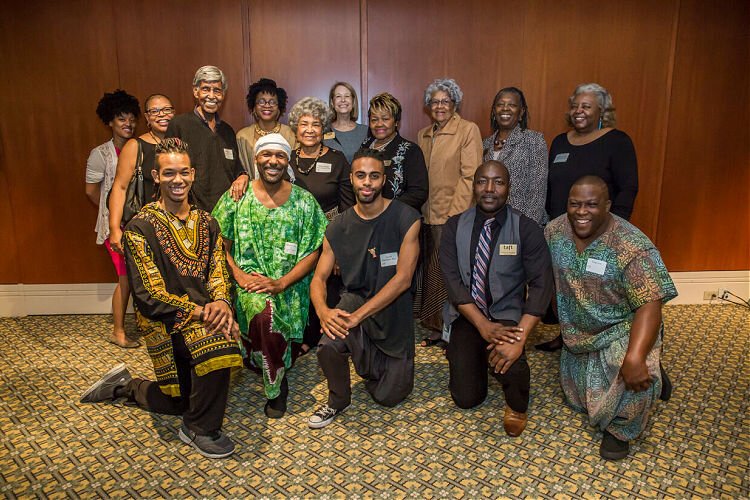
(271,241)
(174,265)
(598,293)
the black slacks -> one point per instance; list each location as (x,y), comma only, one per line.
(389,380)
(202,401)
(468,366)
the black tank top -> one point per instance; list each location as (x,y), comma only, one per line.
(149,156)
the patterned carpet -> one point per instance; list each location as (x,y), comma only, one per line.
(698,444)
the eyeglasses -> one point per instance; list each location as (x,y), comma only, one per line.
(267,102)
(169,110)
(434,103)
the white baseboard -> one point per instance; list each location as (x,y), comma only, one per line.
(691,285)
(78,298)
(96,298)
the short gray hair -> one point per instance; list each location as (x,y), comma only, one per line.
(309,106)
(209,74)
(447,85)
(606,106)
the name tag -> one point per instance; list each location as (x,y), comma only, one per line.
(323,168)
(596,266)
(228,154)
(290,248)
(329,135)
(387,163)
(561,158)
(388,259)
(508,249)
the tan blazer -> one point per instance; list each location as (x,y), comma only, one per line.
(246,144)
(452,155)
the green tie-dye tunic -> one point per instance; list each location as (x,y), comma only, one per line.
(271,241)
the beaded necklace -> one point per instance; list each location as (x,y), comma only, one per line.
(296,157)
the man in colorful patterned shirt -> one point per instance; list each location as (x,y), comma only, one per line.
(272,237)
(181,290)
(611,284)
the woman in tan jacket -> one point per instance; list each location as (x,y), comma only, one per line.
(452,150)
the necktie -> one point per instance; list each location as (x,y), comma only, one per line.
(481,262)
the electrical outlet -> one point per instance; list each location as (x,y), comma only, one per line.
(709,295)
(723,293)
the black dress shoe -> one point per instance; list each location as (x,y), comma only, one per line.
(553,345)
(666,385)
(276,407)
(613,448)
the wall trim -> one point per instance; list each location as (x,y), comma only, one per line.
(95,298)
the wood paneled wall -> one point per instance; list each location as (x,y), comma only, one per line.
(677,69)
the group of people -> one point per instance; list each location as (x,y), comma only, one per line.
(477,239)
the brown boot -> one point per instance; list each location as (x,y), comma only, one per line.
(514,421)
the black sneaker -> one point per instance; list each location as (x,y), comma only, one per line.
(613,448)
(216,445)
(323,416)
(104,389)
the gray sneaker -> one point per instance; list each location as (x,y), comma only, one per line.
(324,416)
(217,445)
(104,389)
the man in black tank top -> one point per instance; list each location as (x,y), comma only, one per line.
(376,245)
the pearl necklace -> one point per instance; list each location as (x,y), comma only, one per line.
(383,146)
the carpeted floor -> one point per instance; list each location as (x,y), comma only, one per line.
(698,444)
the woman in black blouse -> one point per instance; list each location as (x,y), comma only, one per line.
(405,170)
(592,146)
(322,171)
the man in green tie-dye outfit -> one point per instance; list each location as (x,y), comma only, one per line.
(272,237)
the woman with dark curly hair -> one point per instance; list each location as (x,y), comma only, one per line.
(266,102)
(119,111)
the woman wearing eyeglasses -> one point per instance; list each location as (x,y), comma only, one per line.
(159,112)
(452,150)
(266,102)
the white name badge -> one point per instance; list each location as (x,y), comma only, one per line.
(561,158)
(387,163)
(228,154)
(596,266)
(508,249)
(323,168)
(389,259)
(329,135)
(290,248)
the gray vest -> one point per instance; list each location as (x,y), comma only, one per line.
(506,276)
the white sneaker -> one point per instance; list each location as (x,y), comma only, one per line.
(323,416)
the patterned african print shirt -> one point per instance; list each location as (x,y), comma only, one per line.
(173,266)
(271,241)
(599,289)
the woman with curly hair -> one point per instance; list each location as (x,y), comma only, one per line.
(119,111)
(267,103)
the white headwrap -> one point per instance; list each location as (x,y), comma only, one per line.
(275,142)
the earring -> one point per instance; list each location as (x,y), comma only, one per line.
(600,123)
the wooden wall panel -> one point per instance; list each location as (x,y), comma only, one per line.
(678,71)
(62,58)
(305,46)
(489,45)
(160,45)
(624,46)
(704,217)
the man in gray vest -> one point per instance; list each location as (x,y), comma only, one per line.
(498,274)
